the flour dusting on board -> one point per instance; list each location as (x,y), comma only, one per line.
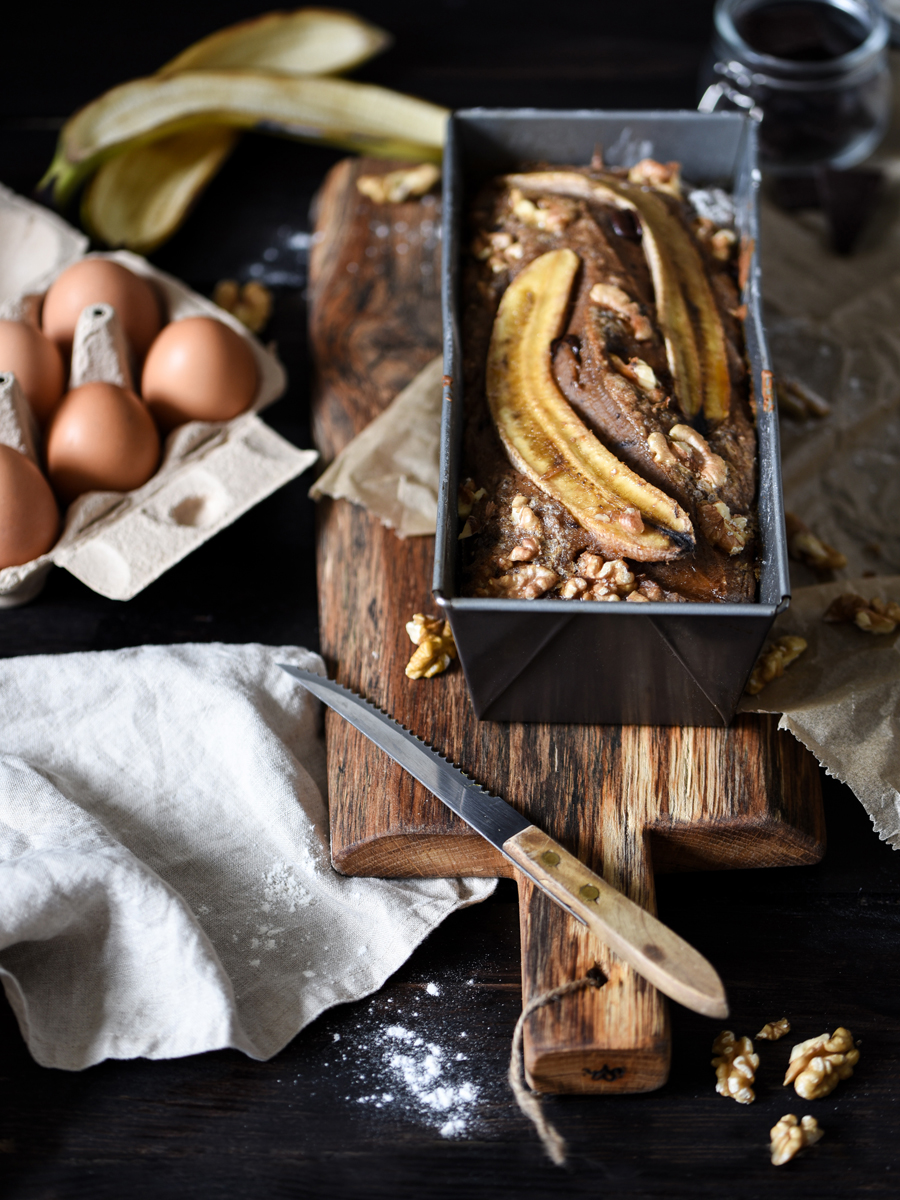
(283,890)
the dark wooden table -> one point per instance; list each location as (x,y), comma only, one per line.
(817,944)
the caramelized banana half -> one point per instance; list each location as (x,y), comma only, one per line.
(547,441)
(686,309)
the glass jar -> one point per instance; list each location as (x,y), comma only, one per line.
(813,72)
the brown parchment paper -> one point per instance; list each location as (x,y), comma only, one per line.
(392,467)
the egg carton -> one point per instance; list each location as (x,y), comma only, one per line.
(211,472)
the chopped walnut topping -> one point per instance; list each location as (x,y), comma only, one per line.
(576,586)
(435,646)
(817,1065)
(526,550)
(630,518)
(872,616)
(773,1030)
(773,661)
(723,529)
(722,244)
(651,590)
(250,303)
(790,1137)
(523,515)
(525,583)
(713,470)
(666,177)
(607,295)
(467,497)
(639,372)
(735,1065)
(397,186)
(551,213)
(659,447)
(617,575)
(637,597)
(590,565)
(804,546)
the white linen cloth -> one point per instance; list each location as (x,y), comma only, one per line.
(165,880)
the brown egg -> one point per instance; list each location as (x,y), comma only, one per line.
(198,369)
(101,281)
(101,439)
(36,363)
(29,518)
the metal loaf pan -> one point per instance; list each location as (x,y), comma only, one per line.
(565,660)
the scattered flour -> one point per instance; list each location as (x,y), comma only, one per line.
(282,888)
(418,1072)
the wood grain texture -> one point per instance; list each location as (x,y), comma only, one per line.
(624,799)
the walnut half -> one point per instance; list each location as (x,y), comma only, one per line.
(872,616)
(772,662)
(773,1030)
(435,646)
(789,1137)
(817,1065)
(735,1065)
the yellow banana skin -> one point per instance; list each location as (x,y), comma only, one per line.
(548,442)
(686,308)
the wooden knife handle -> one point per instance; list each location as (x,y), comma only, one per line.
(638,938)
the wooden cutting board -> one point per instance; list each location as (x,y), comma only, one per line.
(628,800)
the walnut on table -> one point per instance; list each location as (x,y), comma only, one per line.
(772,662)
(735,1065)
(818,1064)
(251,302)
(789,1137)
(773,1030)
(435,646)
(872,616)
(805,547)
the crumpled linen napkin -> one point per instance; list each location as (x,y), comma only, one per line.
(165,880)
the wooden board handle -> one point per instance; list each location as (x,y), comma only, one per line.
(637,937)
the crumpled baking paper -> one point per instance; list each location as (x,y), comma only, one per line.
(392,467)
(841,697)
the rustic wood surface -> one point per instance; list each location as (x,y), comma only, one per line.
(746,796)
(817,944)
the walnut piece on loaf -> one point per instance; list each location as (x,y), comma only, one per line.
(818,1064)
(735,1065)
(789,1137)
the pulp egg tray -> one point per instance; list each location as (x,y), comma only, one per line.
(119,542)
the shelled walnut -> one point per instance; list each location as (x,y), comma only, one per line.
(397,186)
(805,547)
(772,662)
(735,1065)
(872,616)
(435,646)
(789,1137)
(773,1030)
(817,1065)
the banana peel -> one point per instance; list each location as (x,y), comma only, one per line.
(139,198)
(143,189)
(686,308)
(548,442)
(337,111)
(309,41)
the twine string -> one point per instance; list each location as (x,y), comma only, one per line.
(527,1100)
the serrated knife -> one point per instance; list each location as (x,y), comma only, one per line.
(648,946)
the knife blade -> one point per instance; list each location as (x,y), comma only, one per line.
(645,943)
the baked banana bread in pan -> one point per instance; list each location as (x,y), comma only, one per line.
(610,450)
